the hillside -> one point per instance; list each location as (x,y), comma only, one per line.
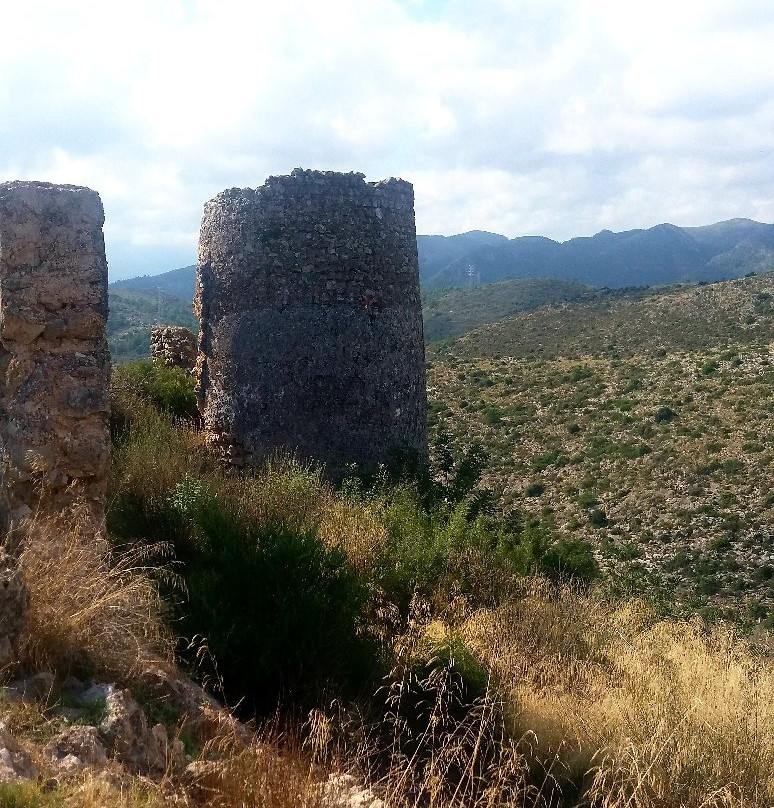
(134,311)
(450,312)
(660,255)
(644,427)
(678,318)
(177,283)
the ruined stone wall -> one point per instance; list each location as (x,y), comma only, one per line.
(54,360)
(173,346)
(311,325)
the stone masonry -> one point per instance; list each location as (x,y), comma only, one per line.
(310,320)
(54,360)
(174,346)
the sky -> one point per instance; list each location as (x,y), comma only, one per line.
(558,118)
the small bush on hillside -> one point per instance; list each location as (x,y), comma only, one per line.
(570,558)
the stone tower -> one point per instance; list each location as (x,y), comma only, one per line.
(310,319)
(54,360)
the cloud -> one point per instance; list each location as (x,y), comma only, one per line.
(556,117)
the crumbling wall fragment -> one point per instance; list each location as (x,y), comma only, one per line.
(54,359)
(310,319)
(174,346)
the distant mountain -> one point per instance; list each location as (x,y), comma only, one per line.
(660,255)
(177,283)
(549,272)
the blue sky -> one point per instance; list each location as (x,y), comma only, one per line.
(551,117)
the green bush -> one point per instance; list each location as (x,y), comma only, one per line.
(665,414)
(281,614)
(570,558)
(170,390)
(597,518)
(439,553)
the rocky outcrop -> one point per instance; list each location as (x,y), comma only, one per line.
(310,320)
(126,733)
(15,761)
(174,346)
(54,360)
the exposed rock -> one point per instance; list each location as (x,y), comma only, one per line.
(75,747)
(125,730)
(174,346)
(204,717)
(54,360)
(15,762)
(310,319)
(345,791)
(39,687)
(13,606)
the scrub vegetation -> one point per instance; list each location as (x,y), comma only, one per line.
(569,607)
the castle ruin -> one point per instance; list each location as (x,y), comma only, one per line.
(54,360)
(310,319)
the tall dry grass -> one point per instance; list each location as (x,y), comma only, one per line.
(89,608)
(635,712)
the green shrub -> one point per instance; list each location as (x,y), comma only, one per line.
(586,499)
(438,553)
(535,489)
(665,414)
(570,558)
(597,518)
(280,613)
(26,794)
(492,416)
(170,390)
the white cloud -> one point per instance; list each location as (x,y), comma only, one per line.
(556,117)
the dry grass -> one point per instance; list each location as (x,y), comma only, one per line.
(88,607)
(270,771)
(644,713)
(139,464)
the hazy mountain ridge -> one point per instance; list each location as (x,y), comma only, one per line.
(659,255)
(492,278)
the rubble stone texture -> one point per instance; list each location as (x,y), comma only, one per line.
(310,319)
(174,346)
(54,359)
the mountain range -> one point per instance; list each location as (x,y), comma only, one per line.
(660,255)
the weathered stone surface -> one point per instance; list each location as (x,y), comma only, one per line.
(311,327)
(125,730)
(75,747)
(174,346)
(15,761)
(54,360)
(345,791)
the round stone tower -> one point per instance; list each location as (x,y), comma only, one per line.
(311,325)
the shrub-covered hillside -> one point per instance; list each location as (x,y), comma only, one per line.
(413,642)
(646,428)
(133,312)
(739,312)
